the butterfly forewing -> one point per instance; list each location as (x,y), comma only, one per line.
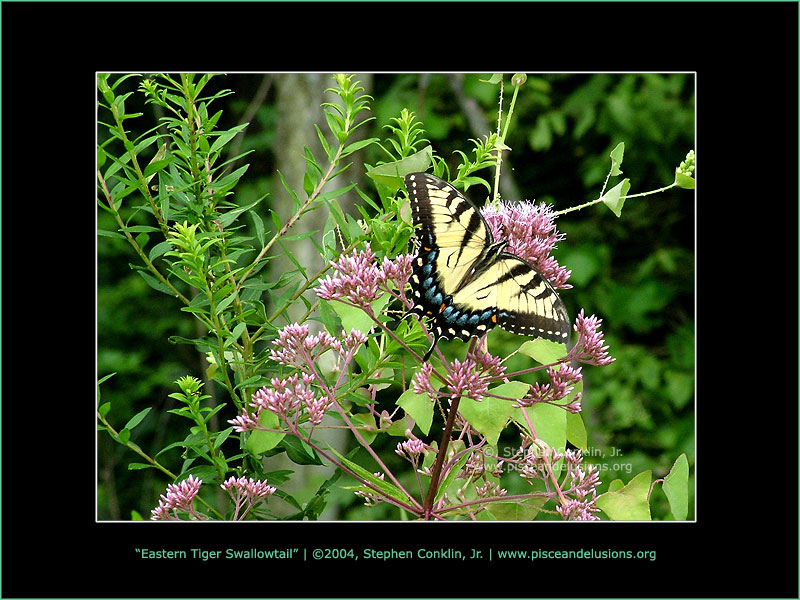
(450,223)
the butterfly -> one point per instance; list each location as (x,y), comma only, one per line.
(465,281)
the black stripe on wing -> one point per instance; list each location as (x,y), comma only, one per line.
(530,305)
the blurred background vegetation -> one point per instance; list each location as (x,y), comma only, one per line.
(635,272)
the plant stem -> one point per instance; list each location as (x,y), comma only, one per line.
(145,259)
(437,467)
(293,219)
(600,199)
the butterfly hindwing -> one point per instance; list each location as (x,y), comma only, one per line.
(527,303)
(462,279)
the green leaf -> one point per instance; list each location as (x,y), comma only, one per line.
(258,223)
(137,418)
(616,159)
(398,428)
(350,148)
(549,422)
(576,431)
(159,249)
(525,510)
(142,239)
(225,137)
(111,234)
(391,174)
(259,441)
(156,166)
(615,197)
(490,415)
(138,466)
(155,283)
(386,487)
(684,181)
(300,452)
(325,146)
(368,420)
(451,475)
(543,351)
(355,318)
(630,502)
(494,79)
(236,333)
(615,485)
(221,437)
(676,488)
(123,436)
(226,219)
(291,192)
(419,407)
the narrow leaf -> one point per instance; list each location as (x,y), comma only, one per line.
(386,487)
(350,148)
(138,466)
(616,159)
(155,283)
(137,418)
(451,475)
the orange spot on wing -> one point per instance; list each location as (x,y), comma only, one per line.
(442,307)
(494,318)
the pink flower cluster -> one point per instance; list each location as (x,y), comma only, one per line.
(531,233)
(589,348)
(246,493)
(469,378)
(359,280)
(488,364)
(421,382)
(490,490)
(410,448)
(583,486)
(284,398)
(179,496)
(296,348)
(562,382)
(464,380)
(248,487)
(578,487)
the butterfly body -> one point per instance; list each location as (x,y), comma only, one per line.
(465,281)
